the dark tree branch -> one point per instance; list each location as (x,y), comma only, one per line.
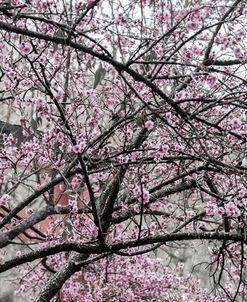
(95,248)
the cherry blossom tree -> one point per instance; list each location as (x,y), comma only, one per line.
(123,145)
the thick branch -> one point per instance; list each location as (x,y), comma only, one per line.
(98,249)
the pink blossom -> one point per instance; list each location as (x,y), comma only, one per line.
(190,213)
(4,200)
(238,53)
(149,125)
(120,19)
(193,25)
(77,148)
(232,209)
(145,195)
(235,123)
(202,224)
(220,211)
(187,54)
(60,137)
(211,209)
(25,48)
(242,193)
(29,211)
(211,80)
(76,182)
(30,154)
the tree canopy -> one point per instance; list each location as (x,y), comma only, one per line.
(123,144)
